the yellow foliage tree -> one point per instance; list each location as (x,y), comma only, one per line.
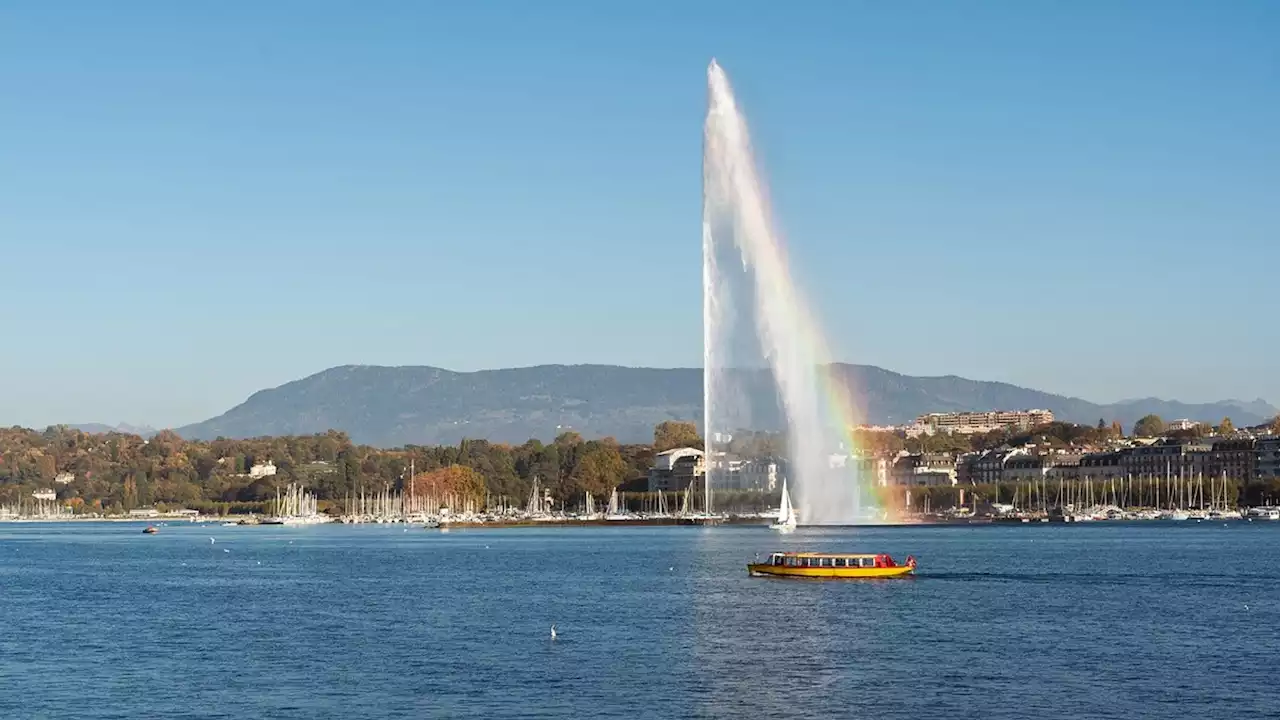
(455,483)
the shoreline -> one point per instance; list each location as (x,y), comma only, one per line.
(630,522)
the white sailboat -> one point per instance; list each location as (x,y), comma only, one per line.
(615,511)
(786,514)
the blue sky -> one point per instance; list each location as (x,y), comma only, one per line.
(199,200)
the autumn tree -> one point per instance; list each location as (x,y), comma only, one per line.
(1226,427)
(456,483)
(672,434)
(1149,426)
(599,470)
(1275,425)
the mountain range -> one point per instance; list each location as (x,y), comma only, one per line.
(392,406)
(100,428)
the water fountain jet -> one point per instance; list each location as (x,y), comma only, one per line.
(762,349)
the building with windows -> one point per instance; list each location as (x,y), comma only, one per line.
(1266,452)
(760,474)
(979,422)
(1234,457)
(924,469)
(674,470)
(873,468)
(261,470)
(1167,459)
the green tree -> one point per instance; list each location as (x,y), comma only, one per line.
(599,470)
(1102,424)
(675,434)
(568,438)
(1149,426)
(349,465)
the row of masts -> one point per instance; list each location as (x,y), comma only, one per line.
(295,503)
(1145,491)
(35,509)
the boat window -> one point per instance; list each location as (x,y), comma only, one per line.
(826,562)
(868,562)
(839,562)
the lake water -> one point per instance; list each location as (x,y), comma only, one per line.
(1091,621)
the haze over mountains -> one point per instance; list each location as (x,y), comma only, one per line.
(99,428)
(391,406)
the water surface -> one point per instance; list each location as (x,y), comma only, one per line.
(1092,621)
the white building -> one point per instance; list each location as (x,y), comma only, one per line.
(65,478)
(1181,424)
(676,469)
(752,475)
(262,470)
(981,422)
(874,467)
(44,494)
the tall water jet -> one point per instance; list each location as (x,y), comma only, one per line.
(762,350)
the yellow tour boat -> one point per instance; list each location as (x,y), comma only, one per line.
(831,565)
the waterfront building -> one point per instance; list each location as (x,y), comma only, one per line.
(1101,466)
(44,494)
(1234,457)
(1267,457)
(875,468)
(64,478)
(1025,467)
(1064,466)
(1171,459)
(924,469)
(673,470)
(988,467)
(762,474)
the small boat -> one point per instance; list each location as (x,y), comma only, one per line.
(786,515)
(150,530)
(831,565)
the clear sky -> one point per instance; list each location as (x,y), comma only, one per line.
(199,200)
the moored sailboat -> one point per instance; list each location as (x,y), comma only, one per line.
(786,514)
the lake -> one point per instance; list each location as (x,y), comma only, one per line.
(1096,620)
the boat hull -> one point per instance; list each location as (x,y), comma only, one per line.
(862,573)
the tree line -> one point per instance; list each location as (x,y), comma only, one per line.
(116,472)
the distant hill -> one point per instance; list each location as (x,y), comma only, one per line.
(100,428)
(390,406)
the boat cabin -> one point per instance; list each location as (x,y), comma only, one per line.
(831,561)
